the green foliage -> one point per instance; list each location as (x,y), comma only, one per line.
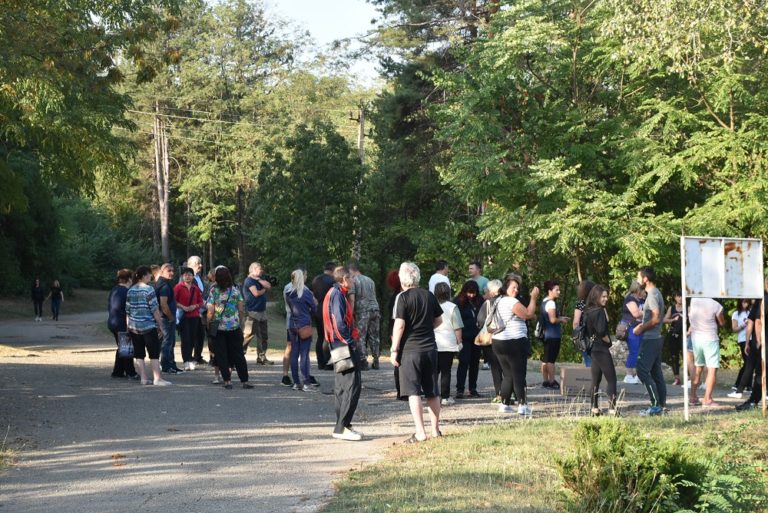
(618,468)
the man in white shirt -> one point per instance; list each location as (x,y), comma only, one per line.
(705,315)
(441,275)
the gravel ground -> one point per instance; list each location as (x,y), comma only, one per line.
(85,442)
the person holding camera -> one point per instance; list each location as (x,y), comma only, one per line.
(255,289)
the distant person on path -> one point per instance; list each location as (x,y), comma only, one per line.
(302,305)
(145,325)
(674,346)
(512,345)
(551,324)
(225,305)
(649,358)
(469,302)
(167,301)
(189,299)
(739,326)
(705,315)
(38,296)
(393,282)
(196,264)
(475,274)
(365,306)
(440,276)
(57,298)
(448,337)
(596,324)
(417,314)
(493,291)
(255,289)
(582,293)
(321,284)
(632,313)
(340,330)
(117,322)
(753,349)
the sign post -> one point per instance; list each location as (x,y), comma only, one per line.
(717,267)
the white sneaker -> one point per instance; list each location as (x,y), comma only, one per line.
(634,380)
(307,388)
(192,365)
(486,366)
(628,378)
(506,408)
(735,395)
(523,409)
(349,435)
(297,387)
(216,380)
(186,366)
(450,401)
(162,383)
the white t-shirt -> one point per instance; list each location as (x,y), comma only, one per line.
(703,317)
(437,278)
(741,321)
(445,334)
(514,326)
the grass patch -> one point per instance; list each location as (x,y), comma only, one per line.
(78,301)
(6,455)
(510,467)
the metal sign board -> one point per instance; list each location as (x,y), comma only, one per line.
(723,267)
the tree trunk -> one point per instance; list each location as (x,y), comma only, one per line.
(241,256)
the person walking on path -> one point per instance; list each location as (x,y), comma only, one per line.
(362,297)
(340,331)
(302,305)
(649,357)
(417,315)
(596,324)
(116,322)
(38,296)
(705,315)
(57,298)
(188,299)
(145,325)
(225,306)
(255,289)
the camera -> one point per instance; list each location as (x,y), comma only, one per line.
(271,279)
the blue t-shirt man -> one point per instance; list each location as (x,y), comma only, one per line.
(254,303)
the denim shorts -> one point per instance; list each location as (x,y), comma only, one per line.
(707,354)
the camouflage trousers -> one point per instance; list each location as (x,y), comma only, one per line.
(368,326)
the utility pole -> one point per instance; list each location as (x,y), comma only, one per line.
(356,227)
(162,179)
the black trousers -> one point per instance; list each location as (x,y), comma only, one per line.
(123,366)
(469,360)
(323,358)
(346,391)
(38,307)
(189,328)
(496,373)
(513,359)
(444,364)
(743,363)
(674,349)
(229,350)
(751,366)
(200,340)
(602,365)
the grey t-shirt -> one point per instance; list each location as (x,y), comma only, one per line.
(654,301)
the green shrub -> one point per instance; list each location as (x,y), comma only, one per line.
(616,468)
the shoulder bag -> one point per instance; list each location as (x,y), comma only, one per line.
(124,345)
(213,325)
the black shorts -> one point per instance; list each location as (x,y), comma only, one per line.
(418,373)
(146,343)
(551,350)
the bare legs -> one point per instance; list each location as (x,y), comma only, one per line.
(433,403)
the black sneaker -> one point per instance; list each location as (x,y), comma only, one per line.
(178,371)
(554,385)
(749,405)
(247,385)
(201,361)
(473,393)
(286,382)
(313,381)
(171,371)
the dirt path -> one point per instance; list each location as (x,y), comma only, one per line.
(89,443)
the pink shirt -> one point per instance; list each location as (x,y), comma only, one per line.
(703,318)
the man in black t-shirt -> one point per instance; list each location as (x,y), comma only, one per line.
(753,350)
(417,314)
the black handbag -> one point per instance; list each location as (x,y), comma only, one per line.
(342,359)
(124,345)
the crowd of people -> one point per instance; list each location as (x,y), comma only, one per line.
(487,320)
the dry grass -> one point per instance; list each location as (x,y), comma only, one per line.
(509,467)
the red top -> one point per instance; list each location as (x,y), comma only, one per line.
(188,296)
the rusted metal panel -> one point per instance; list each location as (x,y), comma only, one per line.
(723,267)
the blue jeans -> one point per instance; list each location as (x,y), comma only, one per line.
(168,344)
(587,359)
(55,306)
(299,356)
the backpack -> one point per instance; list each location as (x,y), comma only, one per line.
(538,332)
(581,340)
(495,324)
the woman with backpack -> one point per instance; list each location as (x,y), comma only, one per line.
(596,326)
